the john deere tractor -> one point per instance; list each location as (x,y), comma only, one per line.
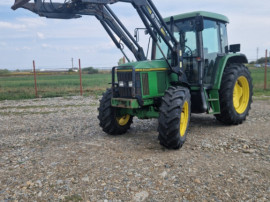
(192,68)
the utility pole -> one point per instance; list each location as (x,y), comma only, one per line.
(35,78)
(72,63)
(257,55)
(265,71)
(80,72)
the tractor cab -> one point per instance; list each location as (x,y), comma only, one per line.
(201,46)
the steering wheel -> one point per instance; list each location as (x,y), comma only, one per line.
(187,52)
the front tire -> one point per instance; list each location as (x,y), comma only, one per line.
(174,117)
(235,94)
(109,120)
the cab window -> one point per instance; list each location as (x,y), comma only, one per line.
(210,37)
(223,37)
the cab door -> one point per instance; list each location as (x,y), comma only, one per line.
(214,40)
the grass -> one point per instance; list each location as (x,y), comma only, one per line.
(257,75)
(16,86)
(26,113)
(74,197)
(45,106)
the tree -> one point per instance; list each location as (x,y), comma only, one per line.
(90,70)
(262,60)
(4,71)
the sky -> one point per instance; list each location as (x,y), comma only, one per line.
(52,43)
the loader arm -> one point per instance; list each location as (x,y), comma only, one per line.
(146,9)
(75,9)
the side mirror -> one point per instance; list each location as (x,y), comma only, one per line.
(136,34)
(235,48)
(199,26)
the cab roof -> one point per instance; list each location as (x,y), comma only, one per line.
(214,16)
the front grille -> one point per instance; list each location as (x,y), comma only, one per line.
(126,92)
(124,76)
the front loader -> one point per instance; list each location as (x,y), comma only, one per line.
(192,68)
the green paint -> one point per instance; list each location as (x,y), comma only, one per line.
(144,65)
(194,88)
(130,103)
(221,67)
(173,77)
(125,103)
(147,102)
(154,84)
(213,100)
(143,113)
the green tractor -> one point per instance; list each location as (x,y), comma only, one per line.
(218,83)
(192,68)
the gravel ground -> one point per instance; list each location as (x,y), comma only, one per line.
(53,149)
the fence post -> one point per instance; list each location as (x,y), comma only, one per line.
(35,78)
(80,72)
(265,71)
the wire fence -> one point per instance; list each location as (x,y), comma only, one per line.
(40,84)
(27,85)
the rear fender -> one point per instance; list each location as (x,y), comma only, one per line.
(224,62)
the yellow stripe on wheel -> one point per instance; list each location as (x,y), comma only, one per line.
(184,119)
(241,95)
(122,121)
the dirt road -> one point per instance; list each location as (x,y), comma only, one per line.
(53,149)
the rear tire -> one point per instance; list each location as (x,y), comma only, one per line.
(109,120)
(235,94)
(174,117)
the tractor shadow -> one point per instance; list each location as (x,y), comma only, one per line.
(205,121)
(144,134)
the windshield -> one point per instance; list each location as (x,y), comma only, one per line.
(185,33)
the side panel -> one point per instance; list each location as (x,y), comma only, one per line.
(154,83)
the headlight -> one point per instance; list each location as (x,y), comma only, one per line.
(130,84)
(121,84)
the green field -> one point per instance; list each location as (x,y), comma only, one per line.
(21,86)
(258,81)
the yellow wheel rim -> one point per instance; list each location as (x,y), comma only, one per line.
(241,95)
(122,121)
(184,119)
